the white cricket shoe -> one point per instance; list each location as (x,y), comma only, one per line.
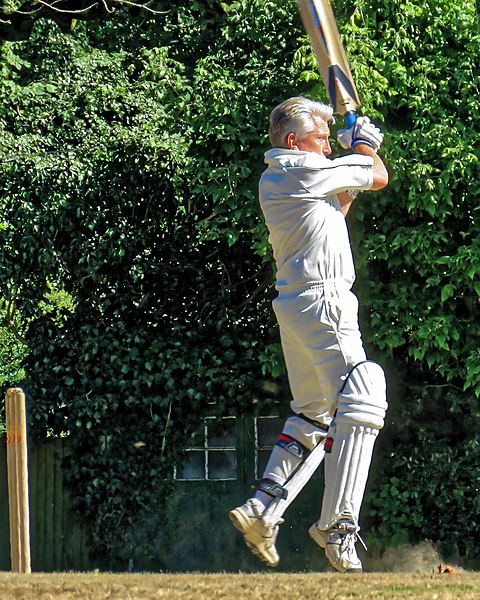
(259,537)
(339,545)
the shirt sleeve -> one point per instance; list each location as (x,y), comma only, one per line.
(329,177)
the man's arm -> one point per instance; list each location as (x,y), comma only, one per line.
(380,176)
(380,173)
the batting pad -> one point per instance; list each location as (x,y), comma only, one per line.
(361,412)
(294,485)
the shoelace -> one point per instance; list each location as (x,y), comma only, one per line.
(349,531)
(347,543)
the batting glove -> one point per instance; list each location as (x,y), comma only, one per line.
(362,132)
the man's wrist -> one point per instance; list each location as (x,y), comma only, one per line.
(361,147)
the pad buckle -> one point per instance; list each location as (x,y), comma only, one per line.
(273,488)
(291,445)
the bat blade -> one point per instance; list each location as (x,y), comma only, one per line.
(320,25)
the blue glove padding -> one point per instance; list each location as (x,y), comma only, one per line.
(362,132)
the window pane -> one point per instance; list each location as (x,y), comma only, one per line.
(222,464)
(268,429)
(197,438)
(221,433)
(193,466)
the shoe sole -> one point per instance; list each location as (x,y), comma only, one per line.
(317,537)
(239,520)
(351,571)
(242,524)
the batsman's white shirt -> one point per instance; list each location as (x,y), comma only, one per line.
(316,311)
(308,233)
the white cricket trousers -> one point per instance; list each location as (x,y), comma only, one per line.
(321,342)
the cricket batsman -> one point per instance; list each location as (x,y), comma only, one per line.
(339,396)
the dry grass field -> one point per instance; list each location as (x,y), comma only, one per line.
(461,585)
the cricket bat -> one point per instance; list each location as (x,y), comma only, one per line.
(319,23)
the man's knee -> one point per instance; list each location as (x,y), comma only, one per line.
(299,438)
(362,399)
(304,431)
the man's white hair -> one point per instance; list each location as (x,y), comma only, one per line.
(297,115)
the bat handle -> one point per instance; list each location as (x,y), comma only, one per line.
(350,118)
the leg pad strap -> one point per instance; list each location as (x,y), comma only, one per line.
(273,488)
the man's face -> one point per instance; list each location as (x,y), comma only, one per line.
(317,140)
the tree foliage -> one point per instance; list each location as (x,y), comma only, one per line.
(135,256)
(18,19)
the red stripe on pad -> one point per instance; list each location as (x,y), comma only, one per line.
(285,438)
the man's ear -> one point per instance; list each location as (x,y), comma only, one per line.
(291,141)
